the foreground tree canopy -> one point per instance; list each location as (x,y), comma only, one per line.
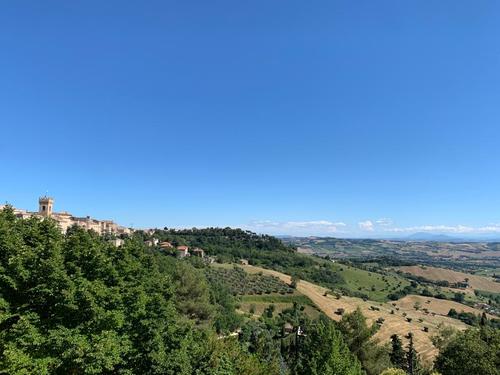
(471,352)
(75,304)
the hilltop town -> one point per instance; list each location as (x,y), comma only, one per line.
(66,220)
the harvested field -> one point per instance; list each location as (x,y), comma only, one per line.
(393,323)
(305,250)
(437,306)
(437,274)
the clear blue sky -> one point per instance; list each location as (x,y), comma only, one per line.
(351,118)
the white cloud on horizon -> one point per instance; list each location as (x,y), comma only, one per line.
(296,227)
(366,225)
(384,222)
(374,227)
(458,229)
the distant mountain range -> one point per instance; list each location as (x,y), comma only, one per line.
(440,237)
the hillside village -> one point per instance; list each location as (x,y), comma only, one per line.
(182,251)
(65,220)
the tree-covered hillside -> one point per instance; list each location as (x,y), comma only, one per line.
(227,243)
(230,245)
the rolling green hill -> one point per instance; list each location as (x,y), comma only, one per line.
(467,256)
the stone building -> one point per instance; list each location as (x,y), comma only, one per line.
(117,242)
(199,252)
(66,220)
(183,251)
(152,242)
(166,245)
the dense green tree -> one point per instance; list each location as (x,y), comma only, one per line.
(359,338)
(74,304)
(269,311)
(444,336)
(376,358)
(356,331)
(411,357)
(459,297)
(193,296)
(227,357)
(226,319)
(471,352)
(484,320)
(398,357)
(322,351)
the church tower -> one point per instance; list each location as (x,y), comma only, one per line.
(45,206)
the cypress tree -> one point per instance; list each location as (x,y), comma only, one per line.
(413,365)
(397,355)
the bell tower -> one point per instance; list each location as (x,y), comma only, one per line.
(45,206)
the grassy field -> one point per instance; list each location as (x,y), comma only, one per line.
(488,272)
(224,266)
(437,274)
(375,285)
(437,306)
(395,317)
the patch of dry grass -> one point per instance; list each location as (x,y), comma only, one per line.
(396,323)
(437,274)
